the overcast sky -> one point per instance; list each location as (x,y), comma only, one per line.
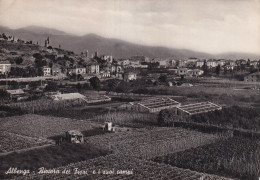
(212,26)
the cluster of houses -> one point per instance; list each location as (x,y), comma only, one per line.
(125,68)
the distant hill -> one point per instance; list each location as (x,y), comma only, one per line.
(116,47)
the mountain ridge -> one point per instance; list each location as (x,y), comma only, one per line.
(111,46)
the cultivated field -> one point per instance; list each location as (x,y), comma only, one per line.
(235,157)
(43,126)
(149,143)
(11,142)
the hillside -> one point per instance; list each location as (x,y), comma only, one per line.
(118,48)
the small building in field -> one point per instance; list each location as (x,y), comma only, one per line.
(17,94)
(182,71)
(75,136)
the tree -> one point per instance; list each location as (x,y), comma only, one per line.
(18,60)
(218,70)
(163,78)
(3,95)
(37,56)
(164,117)
(4,36)
(79,87)
(52,86)
(205,68)
(95,82)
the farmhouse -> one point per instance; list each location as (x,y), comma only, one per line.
(17,94)
(156,104)
(182,71)
(197,108)
(74,136)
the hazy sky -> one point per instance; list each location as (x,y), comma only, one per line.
(212,26)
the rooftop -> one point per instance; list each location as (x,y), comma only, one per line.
(75,133)
(198,108)
(67,96)
(15,91)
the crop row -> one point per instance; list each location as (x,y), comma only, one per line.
(42,126)
(115,165)
(236,157)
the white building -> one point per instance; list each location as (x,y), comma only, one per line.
(46,71)
(199,63)
(196,72)
(77,70)
(5,67)
(211,63)
(182,71)
(129,76)
(182,63)
(93,68)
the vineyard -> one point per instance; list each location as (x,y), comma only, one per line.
(113,166)
(147,144)
(12,142)
(42,126)
(236,157)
